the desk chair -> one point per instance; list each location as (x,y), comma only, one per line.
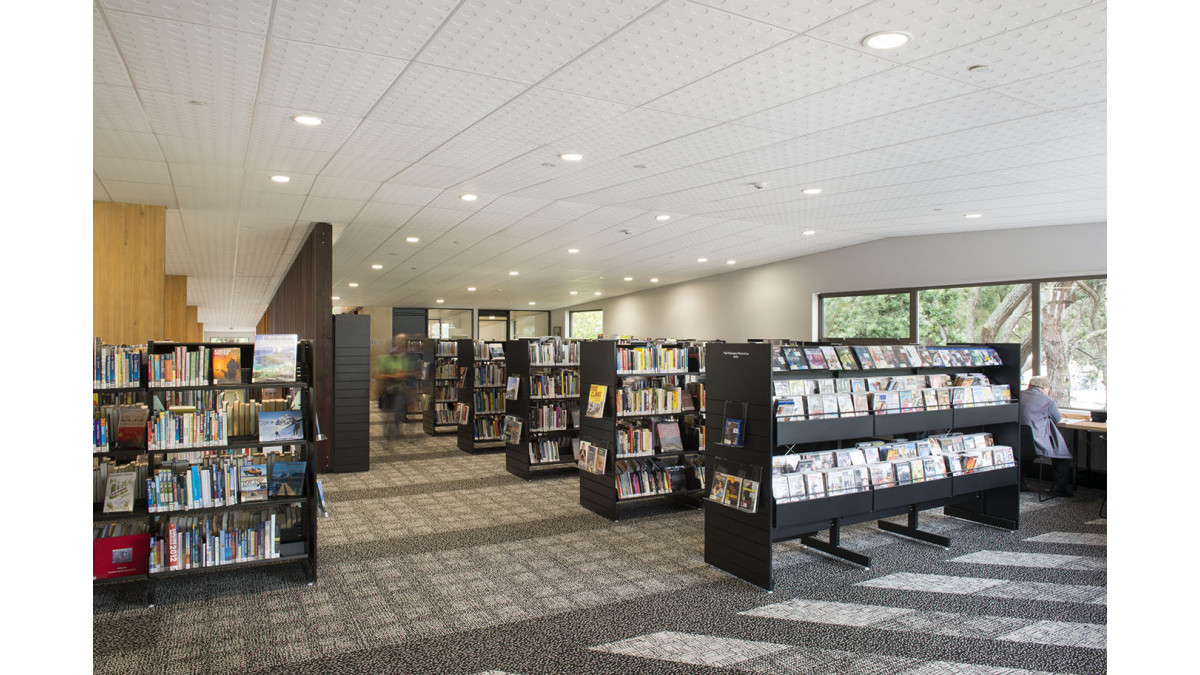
(1042,462)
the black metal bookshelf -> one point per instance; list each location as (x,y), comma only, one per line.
(599,366)
(416,403)
(739,376)
(298,543)
(440,386)
(472,392)
(521,458)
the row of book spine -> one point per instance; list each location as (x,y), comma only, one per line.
(488,428)
(103,467)
(119,528)
(489,401)
(648,401)
(643,477)
(213,484)
(651,358)
(564,383)
(181,367)
(489,374)
(192,542)
(447,348)
(544,450)
(189,429)
(855,385)
(443,413)
(115,366)
(551,354)
(445,370)
(550,417)
(444,393)
(634,441)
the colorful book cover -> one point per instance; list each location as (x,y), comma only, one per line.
(796,486)
(778,363)
(274,358)
(846,357)
(733,490)
(514,384)
(749,499)
(903,472)
(287,479)
(718,488)
(816,360)
(595,405)
(118,492)
(882,475)
(252,482)
(831,358)
(794,358)
(669,439)
(733,433)
(864,357)
(226,366)
(280,425)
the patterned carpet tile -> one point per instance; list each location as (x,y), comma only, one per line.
(1082,538)
(992,588)
(1042,560)
(700,650)
(1062,633)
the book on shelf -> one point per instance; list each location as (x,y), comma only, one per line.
(274,358)
(595,405)
(510,391)
(794,357)
(733,490)
(118,492)
(815,358)
(748,501)
(252,482)
(846,357)
(717,494)
(226,366)
(669,439)
(131,426)
(281,425)
(287,479)
(512,429)
(778,361)
(732,435)
(120,556)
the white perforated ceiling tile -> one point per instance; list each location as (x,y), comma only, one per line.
(141,193)
(125,145)
(541,115)
(107,65)
(379,214)
(117,108)
(330,210)
(369,169)
(397,28)
(790,70)
(525,42)
(251,16)
(1064,88)
(677,43)
(321,79)
(400,142)
(441,98)
(131,170)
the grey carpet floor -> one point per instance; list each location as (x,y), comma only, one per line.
(439,561)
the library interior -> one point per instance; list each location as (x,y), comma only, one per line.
(521,337)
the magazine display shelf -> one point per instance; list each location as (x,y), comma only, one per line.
(516,455)
(740,543)
(433,387)
(598,492)
(297,544)
(468,441)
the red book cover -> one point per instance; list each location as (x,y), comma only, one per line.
(120,556)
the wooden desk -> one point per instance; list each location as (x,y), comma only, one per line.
(1085,428)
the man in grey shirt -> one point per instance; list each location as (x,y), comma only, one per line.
(1040,412)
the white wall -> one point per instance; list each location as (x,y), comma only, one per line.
(776,300)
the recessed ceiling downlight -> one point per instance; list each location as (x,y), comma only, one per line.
(574,292)
(570,156)
(654,280)
(376,267)
(513,273)
(973,215)
(412,240)
(701,259)
(596,293)
(889,39)
(664,216)
(470,288)
(337,297)
(532,303)
(731,261)
(812,191)
(572,250)
(307,120)
(352,284)
(281,179)
(809,233)
(468,197)
(440,300)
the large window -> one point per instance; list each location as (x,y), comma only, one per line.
(1074,341)
(528,324)
(449,324)
(866,316)
(585,325)
(1061,325)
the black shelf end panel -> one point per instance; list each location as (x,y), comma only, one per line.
(896,424)
(982,415)
(912,493)
(817,430)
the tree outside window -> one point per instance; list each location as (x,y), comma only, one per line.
(586,325)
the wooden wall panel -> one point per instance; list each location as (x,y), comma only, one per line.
(128,271)
(302,305)
(195,329)
(175,326)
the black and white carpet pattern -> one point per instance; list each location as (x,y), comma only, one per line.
(439,561)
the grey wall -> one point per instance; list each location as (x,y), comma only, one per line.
(778,300)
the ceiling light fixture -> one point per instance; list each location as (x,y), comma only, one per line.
(889,39)
(412,240)
(470,288)
(468,197)
(812,191)
(628,278)
(574,292)
(352,284)
(701,259)
(337,297)
(974,215)
(731,261)
(809,232)
(654,280)
(376,267)
(513,273)
(307,120)
(532,303)
(664,216)
(280,179)
(572,250)
(596,293)
(570,156)
(439,300)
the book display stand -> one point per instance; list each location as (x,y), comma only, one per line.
(439,385)
(201,443)
(416,404)
(740,387)
(546,405)
(481,389)
(642,390)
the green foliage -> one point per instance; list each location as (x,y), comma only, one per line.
(867,316)
(586,325)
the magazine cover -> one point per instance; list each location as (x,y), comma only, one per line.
(287,479)
(733,433)
(274,358)
(846,356)
(595,406)
(733,490)
(749,499)
(225,365)
(510,392)
(718,488)
(280,425)
(252,482)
